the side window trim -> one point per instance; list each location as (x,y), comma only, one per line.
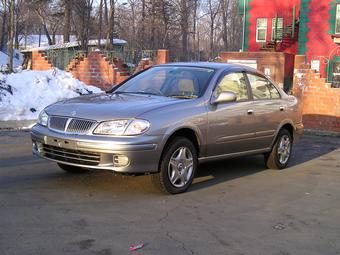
(225,73)
(250,91)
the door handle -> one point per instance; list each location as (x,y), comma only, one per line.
(250,112)
(282,108)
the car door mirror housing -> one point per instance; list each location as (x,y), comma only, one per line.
(224,97)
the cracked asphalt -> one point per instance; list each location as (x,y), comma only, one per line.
(234,206)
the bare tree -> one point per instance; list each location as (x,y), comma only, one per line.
(111,25)
(213,8)
(81,22)
(184,24)
(11,35)
(225,14)
(190,29)
(4,25)
(41,7)
(67,20)
(100,22)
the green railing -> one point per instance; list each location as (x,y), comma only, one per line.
(151,54)
(60,58)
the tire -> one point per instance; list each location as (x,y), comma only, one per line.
(72,169)
(177,167)
(280,154)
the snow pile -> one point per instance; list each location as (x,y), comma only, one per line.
(23,95)
(17,60)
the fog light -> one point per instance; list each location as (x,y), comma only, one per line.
(34,146)
(120,160)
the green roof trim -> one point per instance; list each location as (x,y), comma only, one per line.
(303,28)
(240,6)
(332,16)
(247,32)
(247,23)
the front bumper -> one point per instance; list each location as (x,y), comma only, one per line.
(98,152)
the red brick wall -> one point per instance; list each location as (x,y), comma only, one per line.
(321,103)
(40,61)
(281,64)
(94,70)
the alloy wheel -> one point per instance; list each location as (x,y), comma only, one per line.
(180,167)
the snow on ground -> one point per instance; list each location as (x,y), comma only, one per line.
(23,95)
(17,60)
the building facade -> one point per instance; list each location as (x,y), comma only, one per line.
(299,27)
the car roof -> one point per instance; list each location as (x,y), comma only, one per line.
(213,65)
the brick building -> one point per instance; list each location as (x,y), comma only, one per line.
(299,27)
(297,43)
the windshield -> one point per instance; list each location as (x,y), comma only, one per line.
(169,81)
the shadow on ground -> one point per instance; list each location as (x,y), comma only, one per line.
(208,174)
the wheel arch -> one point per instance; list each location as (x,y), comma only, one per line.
(284,125)
(187,132)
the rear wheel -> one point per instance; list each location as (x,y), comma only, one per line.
(177,167)
(72,169)
(279,156)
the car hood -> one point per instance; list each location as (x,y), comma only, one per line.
(102,107)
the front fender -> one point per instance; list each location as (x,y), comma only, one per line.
(199,133)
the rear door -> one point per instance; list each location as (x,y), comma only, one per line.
(268,109)
(231,124)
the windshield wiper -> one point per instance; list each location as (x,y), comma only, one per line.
(183,96)
(147,93)
(138,92)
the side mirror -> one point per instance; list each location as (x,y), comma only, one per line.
(224,97)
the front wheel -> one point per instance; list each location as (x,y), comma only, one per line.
(279,156)
(177,167)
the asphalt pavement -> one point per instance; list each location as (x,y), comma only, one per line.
(235,206)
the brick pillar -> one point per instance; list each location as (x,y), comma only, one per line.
(120,77)
(300,78)
(40,62)
(299,60)
(162,57)
(95,70)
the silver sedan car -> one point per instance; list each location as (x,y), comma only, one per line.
(167,119)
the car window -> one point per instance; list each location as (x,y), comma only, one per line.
(262,88)
(273,91)
(170,81)
(234,82)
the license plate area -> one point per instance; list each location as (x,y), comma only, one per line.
(61,143)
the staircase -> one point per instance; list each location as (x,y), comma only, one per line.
(288,39)
(75,62)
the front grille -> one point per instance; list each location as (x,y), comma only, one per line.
(70,156)
(58,123)
(80,126)
(71,125)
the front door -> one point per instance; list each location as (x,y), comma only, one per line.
(231,124)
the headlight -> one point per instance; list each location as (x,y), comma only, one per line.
(43,118)
(122,127)
(137,127)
